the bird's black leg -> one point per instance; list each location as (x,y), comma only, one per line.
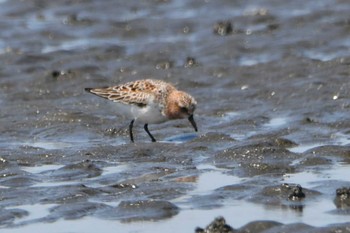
(146,128)
(130,130)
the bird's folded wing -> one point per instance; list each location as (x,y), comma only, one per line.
(130,93)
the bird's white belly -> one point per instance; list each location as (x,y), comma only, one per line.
(148,114)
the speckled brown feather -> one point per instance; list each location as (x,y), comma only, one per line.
(138,93)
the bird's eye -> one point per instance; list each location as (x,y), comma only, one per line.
(183,109)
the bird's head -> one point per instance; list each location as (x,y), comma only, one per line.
(181,105)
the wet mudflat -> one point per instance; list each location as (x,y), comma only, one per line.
(272,83)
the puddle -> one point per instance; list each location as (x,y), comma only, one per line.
(107,171)
(207,166)
(324,56)
(40,144)
(212,180)
(311,178)
(236,213)
(115,169)
(36,211)
(276,122)
(241,137)
(81,43)
(341,139)
(206,183)
(229,116)
(254,60)
(302,148)
(340,172)
(337,139)
(180,138)
(57,145)
(55,184)
(43,168)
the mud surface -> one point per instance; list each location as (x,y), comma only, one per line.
(272,82)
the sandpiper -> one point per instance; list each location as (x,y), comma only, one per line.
(149,101)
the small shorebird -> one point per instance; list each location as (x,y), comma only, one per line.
(149,101)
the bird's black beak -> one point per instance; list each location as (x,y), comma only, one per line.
(190,118)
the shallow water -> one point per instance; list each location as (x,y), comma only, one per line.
(273,112)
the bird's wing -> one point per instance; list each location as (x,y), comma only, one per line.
(139,93)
